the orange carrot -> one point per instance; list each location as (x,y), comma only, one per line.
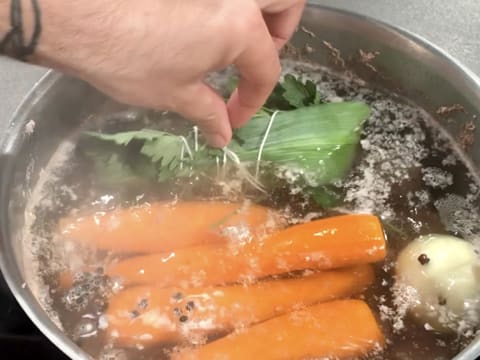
(321,245)
(166,226)
(149,315)
(339,329)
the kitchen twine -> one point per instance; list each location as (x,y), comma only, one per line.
(231,155)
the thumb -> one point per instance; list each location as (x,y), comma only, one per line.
(202,105)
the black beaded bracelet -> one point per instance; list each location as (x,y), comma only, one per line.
(13,43)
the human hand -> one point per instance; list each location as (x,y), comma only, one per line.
(281,18)
(156,53)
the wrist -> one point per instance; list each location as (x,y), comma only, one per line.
(75,33)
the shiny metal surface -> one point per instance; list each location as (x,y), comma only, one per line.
(404,63)
(452,25)
(16,154)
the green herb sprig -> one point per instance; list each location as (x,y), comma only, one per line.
(313,140)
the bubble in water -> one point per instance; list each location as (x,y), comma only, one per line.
(87,289)
(113,354)
(87,327)
(459,216)
(436,178)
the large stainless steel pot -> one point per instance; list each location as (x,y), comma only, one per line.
(403,63)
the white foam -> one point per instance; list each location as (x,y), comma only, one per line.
(33,243)
(390,156)
(436,178)
(460,216)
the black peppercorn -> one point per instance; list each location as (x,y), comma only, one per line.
(134,314)
(442,301)
(423,259)
(142,304)
(190,306)
(177,296)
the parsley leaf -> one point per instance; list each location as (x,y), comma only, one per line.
(295,91)
(299,94)
(289,94)
(124,157)
(292,93)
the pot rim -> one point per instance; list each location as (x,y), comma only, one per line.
(9,267)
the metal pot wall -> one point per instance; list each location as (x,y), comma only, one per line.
(401,62)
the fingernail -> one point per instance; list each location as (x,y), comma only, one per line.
(216,140)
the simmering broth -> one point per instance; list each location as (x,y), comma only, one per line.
(407,172)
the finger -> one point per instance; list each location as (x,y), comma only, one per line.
(202,105)
(198,103)
(282,25)
(259,68)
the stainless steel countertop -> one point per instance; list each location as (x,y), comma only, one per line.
(452,25)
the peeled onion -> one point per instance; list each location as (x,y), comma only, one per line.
(443,273)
